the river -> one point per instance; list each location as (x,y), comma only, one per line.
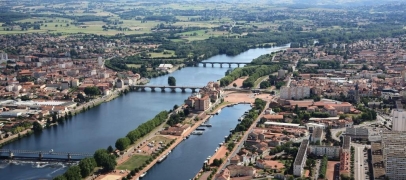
(101,126)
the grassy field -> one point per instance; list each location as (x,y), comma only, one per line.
(160,138)
(134,162)
(134,65)
(169,53)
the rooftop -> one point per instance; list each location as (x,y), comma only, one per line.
(281,124)
(318,132)
(301,152)
(357,131)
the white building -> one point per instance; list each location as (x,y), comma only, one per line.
(298,92)
(3,56)
(300,160)
(394,154)
(398,119)
(329,151)
(163,67)
(317,135)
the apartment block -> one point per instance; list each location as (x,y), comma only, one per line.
(398,118)
(298,92)
(329,151)
(317,135)
(300,160)
(394,154)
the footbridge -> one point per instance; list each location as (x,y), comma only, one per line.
(41,155)
(164,88)
(221,63)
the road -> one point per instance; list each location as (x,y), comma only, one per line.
(359,171)
(240,144)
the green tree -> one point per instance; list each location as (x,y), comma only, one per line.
(73,173)
(99,156)
(105,160)
(171,81)
(37,127)
(92,91)
(110,163)
(86,166)
(234,85)
(110,149)
(123,143)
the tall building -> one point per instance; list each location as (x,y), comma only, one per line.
(298,92)
(398,118)
(394,154)
(300,160)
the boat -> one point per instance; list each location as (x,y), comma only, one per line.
(197,132)
(162,158)
(200,129)
(187,137)
(205,125)
(143,174)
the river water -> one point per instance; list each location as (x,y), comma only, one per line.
(101,126)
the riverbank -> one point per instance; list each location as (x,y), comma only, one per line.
(224,154)
(79,109)
(155,133)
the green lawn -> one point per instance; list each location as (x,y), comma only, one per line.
(134,162)
(134,65)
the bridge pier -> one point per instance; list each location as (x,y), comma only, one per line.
(221,65)
(229,65)
(11,155)
(173,89)
(238,65)
(40,156)
(183,90)
(69,157)
(162,89)
(204,64)
(143,89)
(212,64)
(193,90)
(152,89)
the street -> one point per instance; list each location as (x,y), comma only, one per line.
(359,162)
(240,144)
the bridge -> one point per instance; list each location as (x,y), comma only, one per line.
(221,63)
(163,88)
(40,155)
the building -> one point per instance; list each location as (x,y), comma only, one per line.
(300,160)
(281,73)
(398,118)
(394,154)
(329,151)
(298,92)
(236,171)
(202,104)
(378,165)
(317,135)
(357,133)
(165,67)
(345,155)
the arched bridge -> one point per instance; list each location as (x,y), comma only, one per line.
(40,155)
(221,63)
(163,88)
